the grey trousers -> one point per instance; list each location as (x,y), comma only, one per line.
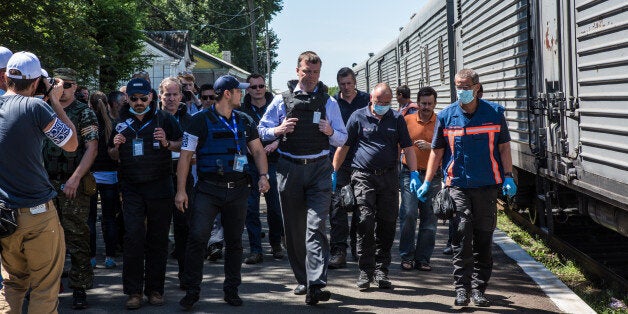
(305,194)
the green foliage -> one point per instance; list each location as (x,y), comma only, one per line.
(225,23)
(333,90)
(90,36)
(212,48)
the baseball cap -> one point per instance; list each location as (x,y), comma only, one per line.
(138,86)
(5,55)
(65,74)
(26,65)
(228,82)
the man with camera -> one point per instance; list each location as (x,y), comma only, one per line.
(190,100)
(69,174)
(32,256)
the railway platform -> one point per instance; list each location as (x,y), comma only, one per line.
(267,287)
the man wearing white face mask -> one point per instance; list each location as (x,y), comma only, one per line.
(376,132)
(471,139)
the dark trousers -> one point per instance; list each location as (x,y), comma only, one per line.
(181,227)
(146,222)
(476,218)
(377,197)
(340,229)
(209,200)
(273,210)
(305,192)
(110,208)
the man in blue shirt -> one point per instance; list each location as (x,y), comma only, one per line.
(349,100)
(471,139)
(307,121)
(376,132)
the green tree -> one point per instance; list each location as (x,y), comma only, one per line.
(225,23)
(100,39)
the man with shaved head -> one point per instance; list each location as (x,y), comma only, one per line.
(376,132)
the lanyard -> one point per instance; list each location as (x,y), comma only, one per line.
(234,128)
(254,108)
(141,128)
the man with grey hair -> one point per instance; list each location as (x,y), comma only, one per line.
(472,143)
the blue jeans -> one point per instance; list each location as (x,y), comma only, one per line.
(273,210)
(408,214)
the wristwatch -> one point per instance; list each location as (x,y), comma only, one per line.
(265,175)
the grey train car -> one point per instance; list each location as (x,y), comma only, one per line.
(561,70)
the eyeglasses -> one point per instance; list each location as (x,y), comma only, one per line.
(260,86)
(206,97)
(67,85)
(134,99)
(465,87)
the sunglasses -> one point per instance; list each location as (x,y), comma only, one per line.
(206,97)
(260,86)
(67,85)
(134,99)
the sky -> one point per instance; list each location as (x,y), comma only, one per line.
(341,32)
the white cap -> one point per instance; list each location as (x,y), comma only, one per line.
(26,63)
(5,55)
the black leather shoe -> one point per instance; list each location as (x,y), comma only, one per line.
(478,298)
(277,251)
(254,258)
(315,295)
(448,250)
(188,300)
(214,252)
(462,298)
(79,299)
(232,297)
(300,290)
(364,281)
(382,280)
(338,258)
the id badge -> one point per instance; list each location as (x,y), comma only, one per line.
(138,147)
(239,161)
(317,117)
(38,209)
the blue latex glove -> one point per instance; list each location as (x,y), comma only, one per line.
(422,191)
(334,179)
(509,188)
(415,182)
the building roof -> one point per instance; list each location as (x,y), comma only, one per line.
(232,69)
(173,43)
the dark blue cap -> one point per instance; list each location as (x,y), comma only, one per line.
(138,86)
(228,82)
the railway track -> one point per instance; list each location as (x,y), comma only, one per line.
(601,252)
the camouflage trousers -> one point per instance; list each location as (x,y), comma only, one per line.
(73,214)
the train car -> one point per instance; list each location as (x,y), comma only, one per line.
(560,70)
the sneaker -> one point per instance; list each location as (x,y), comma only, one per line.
(79,299)
(156,299)
(338,258)
(478,298)
(315,295)
(448,250)
(462,298)
(300,290)
(277,251)
(254,258)
(110,263)
(134,302)
(364,281)
(214,251)
(188,300)
(93,262)
(382,280)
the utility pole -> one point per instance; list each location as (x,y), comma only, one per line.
(268,64)
(253,36)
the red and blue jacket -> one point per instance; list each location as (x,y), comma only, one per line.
(471,158)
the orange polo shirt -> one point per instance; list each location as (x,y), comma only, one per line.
(420,130)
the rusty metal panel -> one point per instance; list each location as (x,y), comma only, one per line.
(601,32)
(495,43)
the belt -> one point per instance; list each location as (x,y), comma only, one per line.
(304,161)
(229,185)
(36,209)
(377,172)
